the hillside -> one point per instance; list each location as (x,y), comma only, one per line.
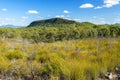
(56,22)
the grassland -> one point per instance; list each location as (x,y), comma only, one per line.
(85,59)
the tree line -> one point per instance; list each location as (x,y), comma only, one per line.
(51,33)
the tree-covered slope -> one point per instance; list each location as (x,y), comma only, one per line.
(58,22)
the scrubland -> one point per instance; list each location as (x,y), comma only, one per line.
(85,59)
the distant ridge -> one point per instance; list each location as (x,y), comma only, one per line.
(10,26)
(51,21)
(117,24)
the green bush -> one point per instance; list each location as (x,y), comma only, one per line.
(14,55)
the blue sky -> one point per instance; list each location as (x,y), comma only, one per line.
(23,12)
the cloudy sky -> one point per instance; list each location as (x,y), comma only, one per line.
(22,12)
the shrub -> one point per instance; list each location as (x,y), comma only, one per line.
(14,54)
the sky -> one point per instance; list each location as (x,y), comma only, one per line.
(23,12)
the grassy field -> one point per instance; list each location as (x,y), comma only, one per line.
(85,59)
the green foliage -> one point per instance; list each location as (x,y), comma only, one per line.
(114,31)
(15,54)
(79,51)
(103,32)
(58,29)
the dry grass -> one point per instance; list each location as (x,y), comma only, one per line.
(69,60)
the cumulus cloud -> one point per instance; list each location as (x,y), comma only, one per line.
(4,9)
(24,17)
(87,5)
(32,12)
(66,11)
(108,4)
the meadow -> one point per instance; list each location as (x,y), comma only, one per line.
(85,59)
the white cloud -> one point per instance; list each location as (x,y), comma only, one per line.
(66,11)
(94,17)
(24,17)
(22,20)
(60,16)
(57,16)
(108,4)
(9,19)
(117,20)
(5,21)
(99,20)
(32,12)
(87,5)
(12,21)
(4,9)
(98,7)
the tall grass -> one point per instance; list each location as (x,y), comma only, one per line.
(85,59)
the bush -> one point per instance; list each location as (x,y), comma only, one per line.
(14,54)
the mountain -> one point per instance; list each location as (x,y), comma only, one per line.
(10,26)
(117,24)
(106,24)
(51,21)
(57,22)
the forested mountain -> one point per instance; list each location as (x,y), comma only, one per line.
(58,22)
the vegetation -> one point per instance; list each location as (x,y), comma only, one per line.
(85,59)
(59,49)
(58,29)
